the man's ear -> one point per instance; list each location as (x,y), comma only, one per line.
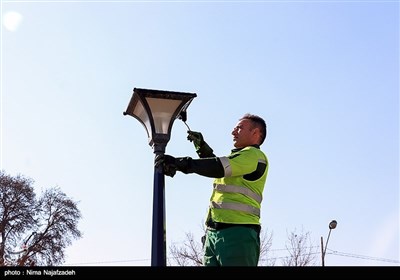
(257,132)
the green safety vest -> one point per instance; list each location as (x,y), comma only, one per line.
(237,197)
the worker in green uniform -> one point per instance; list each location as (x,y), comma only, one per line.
(233,220)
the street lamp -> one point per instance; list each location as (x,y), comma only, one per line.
(332,225)
(156,110)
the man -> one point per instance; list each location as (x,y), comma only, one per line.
(233,220)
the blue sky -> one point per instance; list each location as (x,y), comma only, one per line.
(323,74)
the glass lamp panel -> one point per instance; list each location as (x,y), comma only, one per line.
(162,111)
(140,112)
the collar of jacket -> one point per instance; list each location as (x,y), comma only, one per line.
(238,149)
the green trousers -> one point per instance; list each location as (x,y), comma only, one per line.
(233,246)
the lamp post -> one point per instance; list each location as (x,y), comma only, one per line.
(332,225)
(156,110)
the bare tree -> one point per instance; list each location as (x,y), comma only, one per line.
(34,231)
(300,250)
(189,254)
(265,248)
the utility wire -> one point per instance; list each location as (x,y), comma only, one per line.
(351,255)
(332,252)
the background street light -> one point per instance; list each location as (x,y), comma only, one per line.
(157,110)
(332,225)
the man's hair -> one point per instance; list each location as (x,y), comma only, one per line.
(259,123)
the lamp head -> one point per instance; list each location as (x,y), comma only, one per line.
(156,110)
(332,224)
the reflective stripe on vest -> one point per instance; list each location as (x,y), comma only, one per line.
(236,206)
(262,161)
(227,166)
(238,189)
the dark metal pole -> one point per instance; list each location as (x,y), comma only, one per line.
(158,245)
(322,252)
(326,246)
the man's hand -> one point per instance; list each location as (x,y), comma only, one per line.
(171,164)
(196,138)
(202,148)
(167,163)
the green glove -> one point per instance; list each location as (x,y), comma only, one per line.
(196,138)
(171,164)
(167,163)
(202,148)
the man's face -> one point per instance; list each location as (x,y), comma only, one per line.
(243,134)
